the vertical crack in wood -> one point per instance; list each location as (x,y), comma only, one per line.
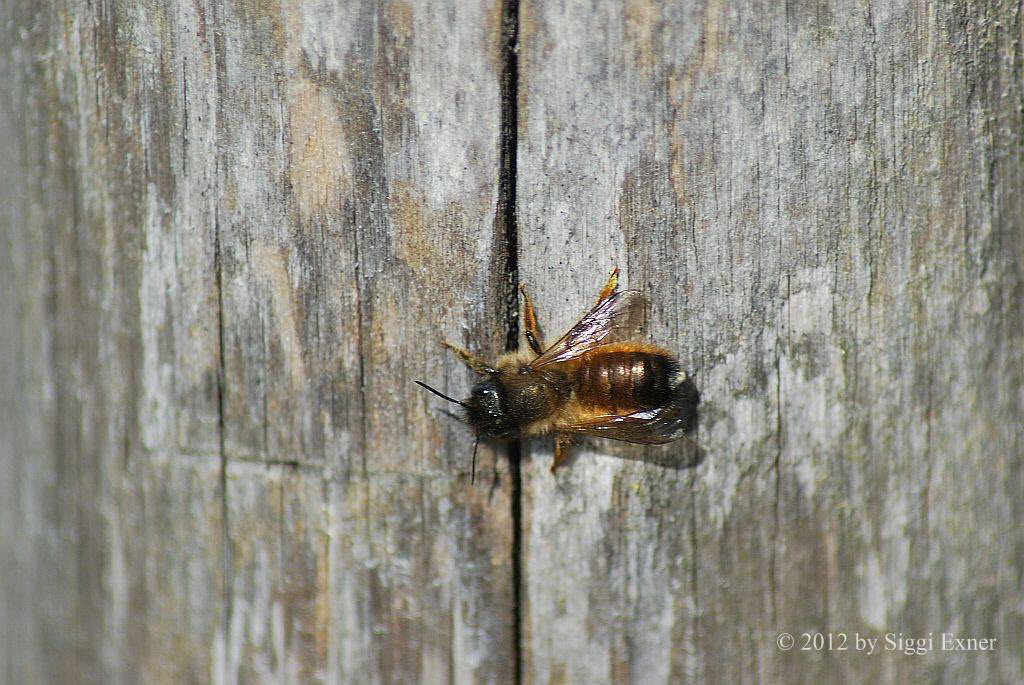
(225,535)
(514,456)
(507,180)
(508,147)
(220,62)
(360,326)
(776,466)
(776,472)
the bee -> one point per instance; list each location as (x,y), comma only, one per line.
(590,382)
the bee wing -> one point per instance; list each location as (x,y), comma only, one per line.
(646,427)
(618,316)
(649,433)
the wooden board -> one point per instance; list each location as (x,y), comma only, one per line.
(823,203)
(236,236)
(233,234)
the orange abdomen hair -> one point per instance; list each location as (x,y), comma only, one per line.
(625,377)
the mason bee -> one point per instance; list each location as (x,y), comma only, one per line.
(591,382)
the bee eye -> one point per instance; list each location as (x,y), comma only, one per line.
(482,392)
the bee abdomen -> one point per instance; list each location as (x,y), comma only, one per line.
(625,380)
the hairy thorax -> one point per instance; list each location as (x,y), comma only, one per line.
(532,395)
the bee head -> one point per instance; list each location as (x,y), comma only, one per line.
(486,410)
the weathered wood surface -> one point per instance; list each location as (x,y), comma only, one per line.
(232,235)
(824,203)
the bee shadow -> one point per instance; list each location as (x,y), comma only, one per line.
(681,454)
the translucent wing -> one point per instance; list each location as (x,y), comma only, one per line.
(618,316)
(646,427)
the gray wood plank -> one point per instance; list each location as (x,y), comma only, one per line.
(119,532)
(237,233)
(823,205)
(359,167)
(233,234)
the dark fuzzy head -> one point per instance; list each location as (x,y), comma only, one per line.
(486,410)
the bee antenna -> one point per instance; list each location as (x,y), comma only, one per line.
(472,472)
(438,393)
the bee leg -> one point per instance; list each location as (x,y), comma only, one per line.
(469,360)
(530,324)
(561,450)
(609,286)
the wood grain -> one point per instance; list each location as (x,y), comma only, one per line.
(823,204)
(233,234)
